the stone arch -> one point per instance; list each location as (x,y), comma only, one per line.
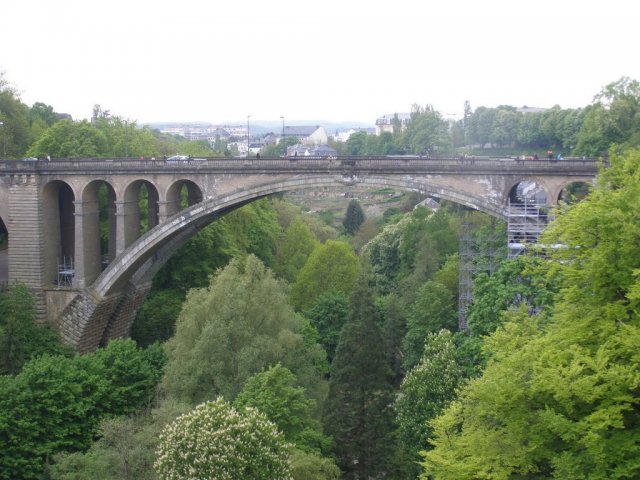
(143,253)
(528,191)
(97,212)
(574,191)
(134,221)
(58,231)
(181,194)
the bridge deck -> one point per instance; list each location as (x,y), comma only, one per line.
(343,164)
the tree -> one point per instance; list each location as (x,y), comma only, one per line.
(433,310)
(518,280)
(310,466)
(216,441)
(292,251)
(20,337)
(353,218)
(332,266)
(125,450)
(426,132)
(274,392)
(358,413)
(328,315)
(233,329)
(559,396)
(55,403)
(425,392)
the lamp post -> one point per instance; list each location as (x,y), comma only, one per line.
(284,145)
(248,117)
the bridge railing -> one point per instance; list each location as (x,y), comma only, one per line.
(306,163)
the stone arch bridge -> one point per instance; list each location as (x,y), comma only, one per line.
(90,289)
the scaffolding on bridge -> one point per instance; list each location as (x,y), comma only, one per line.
(525,222)
(480,250)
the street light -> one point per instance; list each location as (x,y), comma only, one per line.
(284,145)
(248,117)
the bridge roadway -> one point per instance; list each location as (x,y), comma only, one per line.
(50,210)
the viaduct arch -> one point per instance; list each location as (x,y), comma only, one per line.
(53,211)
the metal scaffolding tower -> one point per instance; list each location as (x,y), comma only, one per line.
(476,255)
(526,221)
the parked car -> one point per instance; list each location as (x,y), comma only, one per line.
(30,159)
(178,159)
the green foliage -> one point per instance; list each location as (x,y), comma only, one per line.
(155,320)
(55,403)
(311,466)
(425,392)
(433,310)
(328,315)
(518,280)
(126,449)
(426,132)
(216,441)
(429,238)
(614,118)
(353,218)
(332,266)
(383,253)
(293,249)
(234,328)
(20,337)
(358,413)
(559,396)
(274,393)
(394,329)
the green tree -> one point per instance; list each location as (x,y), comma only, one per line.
(614,118)
(16,134)
(310,466)
(394,329)
(358,412)
(518,280)
(425,392)
(234,328)
(328,315)
(332,266)
(426,132)
(353,218)
(125,450)
(274,392)
(293,249)
(155,320)
(433,310)
(21,338)
(559,395)
(216,441)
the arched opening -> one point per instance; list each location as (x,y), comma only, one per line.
(182,194)
(98,228)
(527,192)
(574,192)
(4,254)
(527,216)
(59,233)
(140,210)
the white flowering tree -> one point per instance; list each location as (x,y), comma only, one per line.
(216,441)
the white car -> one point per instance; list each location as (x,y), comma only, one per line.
(178,159)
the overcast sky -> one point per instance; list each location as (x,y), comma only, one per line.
(334,60)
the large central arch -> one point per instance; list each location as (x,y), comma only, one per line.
(146,255)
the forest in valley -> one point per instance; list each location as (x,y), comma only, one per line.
(283,344)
